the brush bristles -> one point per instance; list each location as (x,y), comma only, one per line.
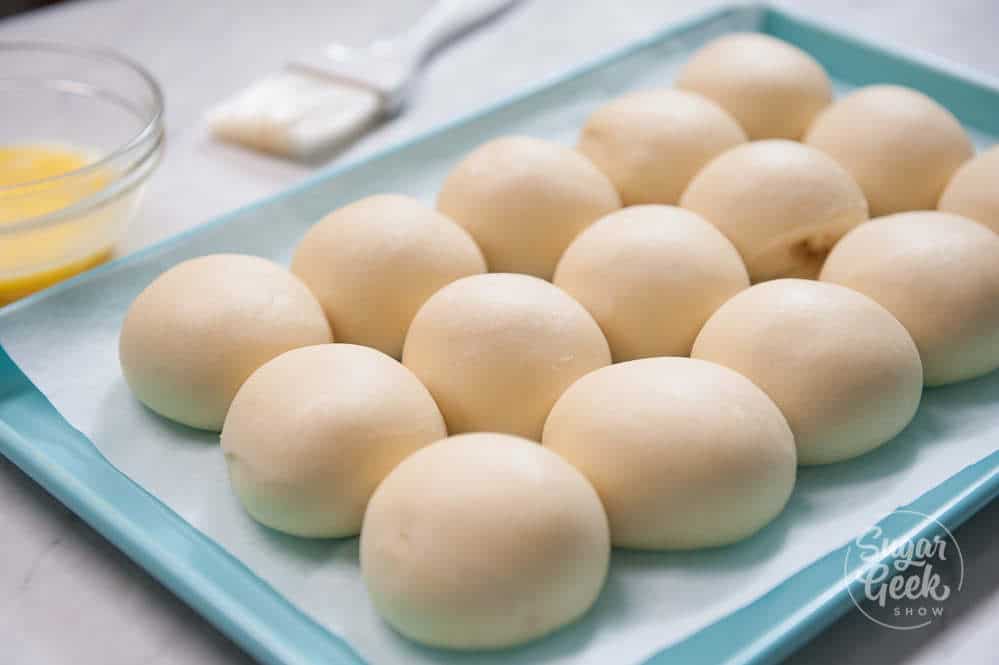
(293,114)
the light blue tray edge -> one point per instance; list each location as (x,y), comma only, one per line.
(38,440)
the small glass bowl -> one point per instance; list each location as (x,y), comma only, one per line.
(94,102)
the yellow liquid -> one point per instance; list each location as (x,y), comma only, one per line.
(56,248)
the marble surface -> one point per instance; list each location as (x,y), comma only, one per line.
(66,595)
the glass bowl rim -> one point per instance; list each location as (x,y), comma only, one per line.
(151,130)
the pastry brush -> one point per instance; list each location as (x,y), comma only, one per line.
(326,98)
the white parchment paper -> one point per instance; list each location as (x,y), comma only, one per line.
(67,344)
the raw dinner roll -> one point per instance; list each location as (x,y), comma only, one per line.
(841,368)
(524,200)
(312,433)
(938,273)
(651,143)
(900,145)
(782,204)
(497,350)
(683,453)
(651,276)
(374,262)
(974,190)
(483,541)
(192,337)
(772,88)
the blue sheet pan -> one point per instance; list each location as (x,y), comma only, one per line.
(42,443)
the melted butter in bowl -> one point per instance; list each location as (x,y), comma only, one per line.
(31,186)
(82,132)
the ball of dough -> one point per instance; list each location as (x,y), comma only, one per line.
(842,369)
(782,204)
(483,541)
(651,276)
(651,143)
(373,263)
(900,145)
(524,200)
(192,337)
(772,88)
(683,453)
(974,190)
(497,350)
(938,273)
(312,433)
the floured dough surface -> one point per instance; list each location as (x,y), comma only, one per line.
(193,336)
(900,145)
(312,433)
(524,200)
(651,276)
(841,368)
(483,541)
(684,453)
(938,273)
(782,204)
(497,350)
(973,192)
(373,263)
(652,142)
(772,88)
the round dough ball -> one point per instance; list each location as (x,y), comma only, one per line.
(651,276)
(497,350)
(772,88)
(938,273)
(683,453)
(312,433)
(974,190)
(201,328)
(651,143)
(483,541)
(782,204)
(373,263)
(842,369)
(900,145)
(524,200)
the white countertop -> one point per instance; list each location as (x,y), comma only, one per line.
(66,595)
